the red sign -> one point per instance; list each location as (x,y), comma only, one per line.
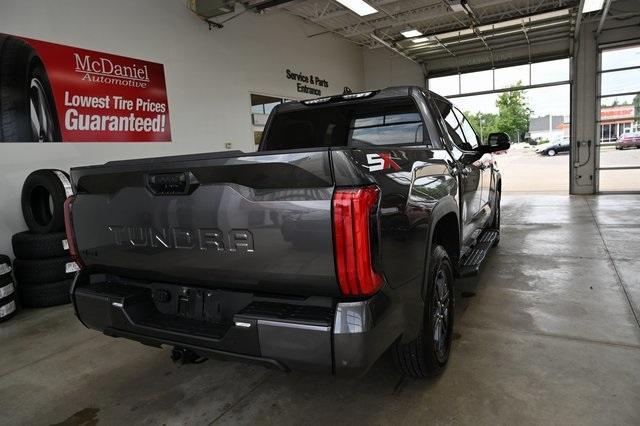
(617,112)
(94,96)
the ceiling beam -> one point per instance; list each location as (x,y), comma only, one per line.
(605,12)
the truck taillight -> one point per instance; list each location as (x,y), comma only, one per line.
(71,237)
(353,211)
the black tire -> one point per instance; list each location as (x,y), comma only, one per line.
(5,265)
(23,83)
(43,195)
(423,356)
(551,152)
(29,245)
(47,294)
(7,286)
(8,308)
(35,271)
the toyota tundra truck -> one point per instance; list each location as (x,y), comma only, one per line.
(338,240)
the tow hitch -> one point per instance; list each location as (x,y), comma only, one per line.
(186,356)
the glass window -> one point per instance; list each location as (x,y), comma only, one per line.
(512,76)
(261,104)
(445,86)
(270,106)
(621,58)
(393,134)
(620,82)
(392,122)
(480,81)
(467,129)
(550,71)
(453,126)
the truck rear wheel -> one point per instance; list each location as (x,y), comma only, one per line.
(428,354)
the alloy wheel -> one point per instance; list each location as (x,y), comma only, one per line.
(42,120)
(441,311)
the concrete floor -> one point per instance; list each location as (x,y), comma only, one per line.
(547,334)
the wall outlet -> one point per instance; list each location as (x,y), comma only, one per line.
(227,145)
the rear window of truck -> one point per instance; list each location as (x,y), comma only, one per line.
(363,124)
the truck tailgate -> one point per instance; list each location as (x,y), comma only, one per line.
(255,222)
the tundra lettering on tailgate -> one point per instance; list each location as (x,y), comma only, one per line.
(234,241)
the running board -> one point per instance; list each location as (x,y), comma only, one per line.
(470,265)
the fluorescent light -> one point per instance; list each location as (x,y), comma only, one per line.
(411,33)
(360,7)
(592,5)
(420,39)
(457,6)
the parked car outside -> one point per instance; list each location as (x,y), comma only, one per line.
(554,147)
(628,140)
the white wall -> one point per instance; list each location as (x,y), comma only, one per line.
(209,76)
(384,68)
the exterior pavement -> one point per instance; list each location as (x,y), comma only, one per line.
(548,333)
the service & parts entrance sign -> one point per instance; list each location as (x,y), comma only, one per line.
(51,93)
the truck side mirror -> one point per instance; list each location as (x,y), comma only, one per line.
(498,141)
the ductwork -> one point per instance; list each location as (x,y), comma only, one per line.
(211,8)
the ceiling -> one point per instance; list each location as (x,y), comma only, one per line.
(485,29)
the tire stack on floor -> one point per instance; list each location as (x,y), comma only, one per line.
(8,306)
(43,268)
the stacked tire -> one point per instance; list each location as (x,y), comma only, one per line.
(43,268)
(8,306)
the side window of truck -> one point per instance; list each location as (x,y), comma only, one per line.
(467,129)
(453,125)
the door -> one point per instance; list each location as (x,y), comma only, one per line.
(469,173)
(618,158)
(485,163)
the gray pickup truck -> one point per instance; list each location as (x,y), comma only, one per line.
(338,240)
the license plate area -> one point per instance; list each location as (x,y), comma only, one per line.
(198,304)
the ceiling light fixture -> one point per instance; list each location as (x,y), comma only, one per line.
(361,7)
(420,39)
(592,5)
(458,5)
(411,33)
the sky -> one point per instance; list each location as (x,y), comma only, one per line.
(546,100)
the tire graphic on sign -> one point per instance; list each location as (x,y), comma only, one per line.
(27,108)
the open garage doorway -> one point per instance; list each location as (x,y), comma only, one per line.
(531,103)
(618,158)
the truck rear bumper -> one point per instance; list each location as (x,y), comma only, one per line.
(344,338)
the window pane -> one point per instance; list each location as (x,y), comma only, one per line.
(394,134)
(620,180)
(621,58)
(369,121)
(445,86)
(550,71)
(469,135)
(477,81)
(402,118)
(620,82)
(270,106)
(453,126)
(615,110)
(512,76)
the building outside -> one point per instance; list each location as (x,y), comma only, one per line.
(616,120)
(548,127)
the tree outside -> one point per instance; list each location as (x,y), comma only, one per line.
(512,118)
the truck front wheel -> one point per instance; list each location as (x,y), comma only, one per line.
(428,354)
